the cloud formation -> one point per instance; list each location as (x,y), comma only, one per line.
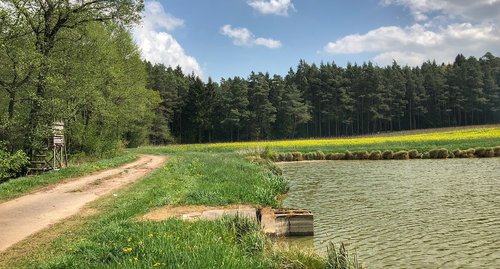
(157,45)
(415,44)
(476,10)
(244,37)
(272,7)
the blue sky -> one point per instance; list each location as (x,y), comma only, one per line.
(225,38)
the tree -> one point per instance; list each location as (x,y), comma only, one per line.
(47,23)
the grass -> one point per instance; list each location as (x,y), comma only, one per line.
(114,238)
(215,174)
(23,185)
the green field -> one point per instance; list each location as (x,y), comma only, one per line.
(108,233)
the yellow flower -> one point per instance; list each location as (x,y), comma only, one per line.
(127,250)
(156,264)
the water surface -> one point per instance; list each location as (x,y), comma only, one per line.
(404,214)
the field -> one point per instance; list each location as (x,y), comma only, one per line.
(108,234)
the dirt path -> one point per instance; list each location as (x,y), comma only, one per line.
(29,214)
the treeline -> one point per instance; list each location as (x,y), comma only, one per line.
(72,61)
(325,100)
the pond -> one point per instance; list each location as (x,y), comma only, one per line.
(403,214)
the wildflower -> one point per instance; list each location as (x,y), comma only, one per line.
(127,250)
(157,264)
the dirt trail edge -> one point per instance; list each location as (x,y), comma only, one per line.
(29,214)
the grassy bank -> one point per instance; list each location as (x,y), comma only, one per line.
(23,185)
(113,237)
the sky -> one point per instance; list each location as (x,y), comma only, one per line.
(227,38)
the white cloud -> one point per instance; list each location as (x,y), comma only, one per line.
(476,10)
(244,37)
(418,43)
(273,7)
(268,42)
(240,36)
(157,45)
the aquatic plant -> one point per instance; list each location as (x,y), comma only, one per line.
(340,258)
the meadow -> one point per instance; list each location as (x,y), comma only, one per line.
(109,234)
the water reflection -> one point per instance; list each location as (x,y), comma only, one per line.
(400,214)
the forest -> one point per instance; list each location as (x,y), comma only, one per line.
(325,100)
(77,63)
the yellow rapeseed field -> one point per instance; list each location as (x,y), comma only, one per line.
(453,135)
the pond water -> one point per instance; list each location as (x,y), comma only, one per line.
(403,214)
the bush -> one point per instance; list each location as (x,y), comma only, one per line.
(12,165)
(460,153)
(414,154)
(310,156)
(497,151)
(426,155)
(401,155)
(348,156)
(297,156)
(484,153)
(334,156)
(375,155)
(470,153)
(320,155)
(361,155)
(438,154)
(387,155)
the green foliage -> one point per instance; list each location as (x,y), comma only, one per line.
(401,155)
(414,154)
(387,155)
(339,258)
(375,155)
(12,165)
(438,154)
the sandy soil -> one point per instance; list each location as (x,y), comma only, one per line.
(29,214)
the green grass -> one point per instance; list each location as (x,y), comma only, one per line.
(115,238)
(23,185)
(200,175)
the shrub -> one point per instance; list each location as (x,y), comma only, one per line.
(451,155)
(268,154)
(438,154)
(297,156)
(426,155)
(361,155)
(335,156)
(348,156)
(470,153)
(414,154)
(12,165)
(401,155)
(497,151)
(484,153)
(387,155)
(460,153)
(310,156)
(288,157)
(320,155)
(375,155)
